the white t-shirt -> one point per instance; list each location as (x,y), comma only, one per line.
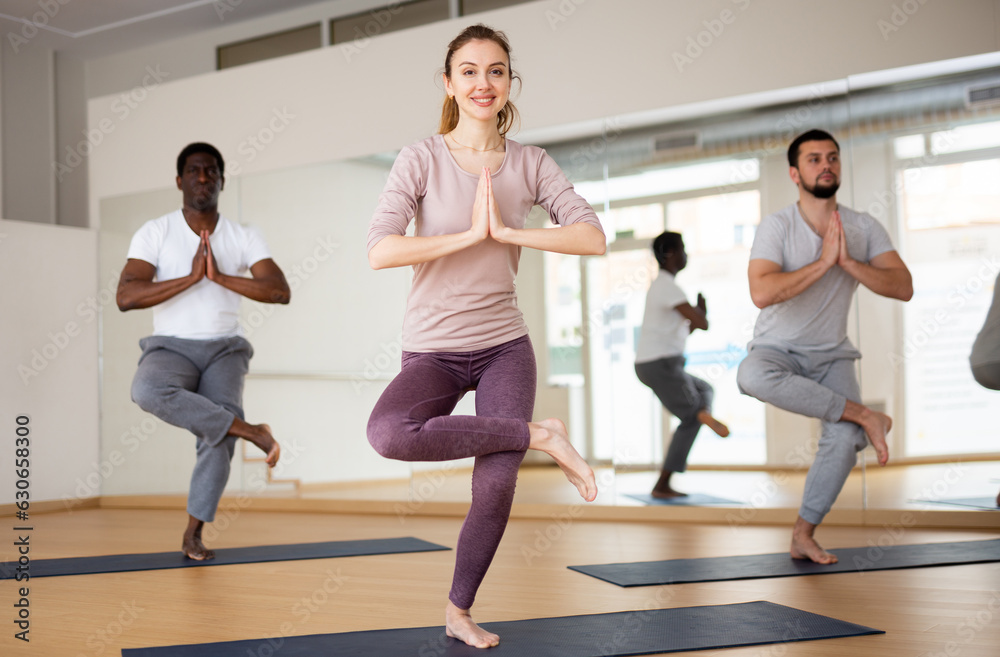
(664,329)
(815,319)
(206,310)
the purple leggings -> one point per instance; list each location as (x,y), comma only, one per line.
(412,422)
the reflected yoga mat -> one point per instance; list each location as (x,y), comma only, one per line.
(988,503)
(757,566)
(117,563)
(693,499)
(594,635)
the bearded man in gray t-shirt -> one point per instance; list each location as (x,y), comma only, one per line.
(805,263)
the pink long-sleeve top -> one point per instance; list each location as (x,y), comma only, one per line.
(466,301)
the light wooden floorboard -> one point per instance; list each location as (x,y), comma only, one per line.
(951,610)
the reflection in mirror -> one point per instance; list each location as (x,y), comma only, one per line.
(927,157)
(948,219)
(919,156)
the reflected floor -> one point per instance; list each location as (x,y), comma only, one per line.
(891,488)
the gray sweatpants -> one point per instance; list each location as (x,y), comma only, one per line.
(197,385)
(816,384)
(987,375)
(681,394)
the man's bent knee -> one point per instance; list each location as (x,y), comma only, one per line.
(146,395)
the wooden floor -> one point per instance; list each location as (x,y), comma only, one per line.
(951,610)
(901,488)
(873,498)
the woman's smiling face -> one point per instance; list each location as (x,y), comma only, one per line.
(480,80)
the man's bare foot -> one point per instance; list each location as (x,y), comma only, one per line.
(193,548)
(804,546)
(718,427)
(458,624)
(875,424)
(877,427)
(259,435)
(663,490)
(550,436)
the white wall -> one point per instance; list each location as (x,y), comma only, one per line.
(49,325)
(321,362)
(601,59)
(579,62)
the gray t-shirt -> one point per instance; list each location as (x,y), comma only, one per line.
(816,319)
(986,348)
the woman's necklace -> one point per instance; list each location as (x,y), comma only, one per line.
(480,150)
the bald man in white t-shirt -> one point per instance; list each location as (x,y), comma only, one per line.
(190,266)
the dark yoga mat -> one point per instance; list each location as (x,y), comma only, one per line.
(693,499)
(757,566)
(988,503)
(117,563)
(594,635)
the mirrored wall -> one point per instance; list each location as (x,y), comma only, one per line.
(920,155)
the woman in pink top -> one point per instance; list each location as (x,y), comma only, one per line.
(470,189)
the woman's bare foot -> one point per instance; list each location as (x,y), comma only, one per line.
(718,427)
(192,547)
(875,424)
(259,435)
(550,436)
(458,624)
(804,546)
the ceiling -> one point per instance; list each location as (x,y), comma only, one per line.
(95,28)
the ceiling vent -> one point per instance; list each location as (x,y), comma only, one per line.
(978,97)
(677,141)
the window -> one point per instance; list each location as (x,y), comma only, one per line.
(716,206)
(397,16)
(564,319)
(921,150)
(718,232)
(269,46)
(949,211)
(476,6)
